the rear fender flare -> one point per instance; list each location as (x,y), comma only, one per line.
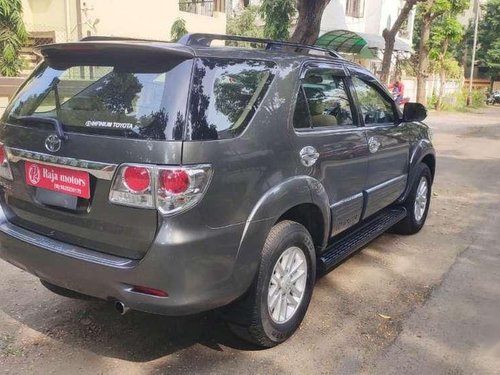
(273,204)
(419,152)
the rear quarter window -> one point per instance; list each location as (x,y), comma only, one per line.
(225,94)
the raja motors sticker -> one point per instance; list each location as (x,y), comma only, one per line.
(109,124)
(62,180)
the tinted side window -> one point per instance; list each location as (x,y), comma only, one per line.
(327,99)
(301,117)
(225,94)
(374,107)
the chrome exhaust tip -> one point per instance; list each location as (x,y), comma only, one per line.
(121,308)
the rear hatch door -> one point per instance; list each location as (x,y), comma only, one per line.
(115,103)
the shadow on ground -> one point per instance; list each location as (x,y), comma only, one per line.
(140,337)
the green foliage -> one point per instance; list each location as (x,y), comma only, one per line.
(439,8)
(489,31)
(458,100)
(446,31)
(178,29)
(277,15)
(13,35)
(245,24)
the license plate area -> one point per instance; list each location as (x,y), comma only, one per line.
(55,199)
(57,179)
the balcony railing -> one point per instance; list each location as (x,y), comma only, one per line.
(203,7)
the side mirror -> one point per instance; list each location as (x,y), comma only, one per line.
(414,112)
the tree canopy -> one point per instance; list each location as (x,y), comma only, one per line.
(245,23)
(178,29)
(432,13)
(12,37)
(277,15)
(489,40)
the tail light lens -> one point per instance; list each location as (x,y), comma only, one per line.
(179,189)
(174,181)
(137,179)
(168,189)
(132,187)
(5,170)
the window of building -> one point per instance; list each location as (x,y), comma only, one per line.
(202,7)
(355,8)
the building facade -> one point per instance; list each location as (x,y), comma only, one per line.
(366,16)
(69,20)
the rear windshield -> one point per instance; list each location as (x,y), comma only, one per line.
(224,96)
(135,99)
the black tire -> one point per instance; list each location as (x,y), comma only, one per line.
(258,326)
(65,292)
(410,224)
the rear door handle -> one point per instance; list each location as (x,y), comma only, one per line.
(308,156)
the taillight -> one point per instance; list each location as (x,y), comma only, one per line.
(5,171)
(137,179)
(168,189)
(174,181)
(132,187)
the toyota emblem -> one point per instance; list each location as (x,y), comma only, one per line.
(53,143)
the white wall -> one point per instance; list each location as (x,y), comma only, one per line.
(133,18)
(50,15)
(148,18)
(378,15)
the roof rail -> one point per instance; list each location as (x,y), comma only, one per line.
(204,40)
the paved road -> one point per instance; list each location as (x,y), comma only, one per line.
(428,303)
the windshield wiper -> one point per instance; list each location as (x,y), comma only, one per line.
(58,125)
(50,120)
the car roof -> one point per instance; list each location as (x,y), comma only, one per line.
(285,53)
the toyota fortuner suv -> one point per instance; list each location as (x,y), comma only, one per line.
(175,178)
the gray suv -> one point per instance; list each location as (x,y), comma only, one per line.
(180,178)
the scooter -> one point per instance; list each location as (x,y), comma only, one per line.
(402,101)
(493,98)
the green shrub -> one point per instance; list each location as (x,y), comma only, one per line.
(458,100)
(245,24)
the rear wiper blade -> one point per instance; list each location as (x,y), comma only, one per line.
(58,126)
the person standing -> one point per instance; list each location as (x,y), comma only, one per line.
(398,90)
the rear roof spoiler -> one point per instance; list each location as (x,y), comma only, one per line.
(109,44)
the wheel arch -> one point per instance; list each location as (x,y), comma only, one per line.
(430,161)
(302,199)
(423,152)
(310,216)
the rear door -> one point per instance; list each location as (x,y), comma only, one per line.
(388,144)
(332,145)
(116,104)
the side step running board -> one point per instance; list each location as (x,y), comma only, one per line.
(357,237)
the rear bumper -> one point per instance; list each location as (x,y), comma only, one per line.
(196,269)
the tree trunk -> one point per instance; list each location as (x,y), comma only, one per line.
(390,38)
(442,75)
(423,57)
(442,83)
(309,20)
(386,61)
